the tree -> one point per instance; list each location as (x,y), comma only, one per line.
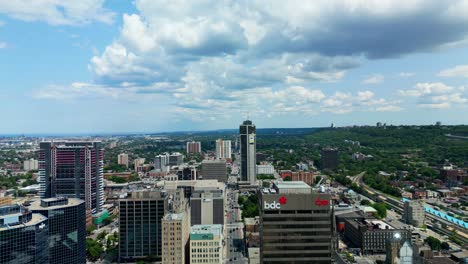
(317,179)
(433,242)
(90,229)
(365,202)
(381,210)
(102,235)
(287,178)
(93,248)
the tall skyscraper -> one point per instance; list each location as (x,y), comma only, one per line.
(23,236)
(175,159)
(193,147)
(223,149)
(140,217)
(413,213)
(296,225)
(214,170)
(122,159)
(67,228)
(72,169)
(248,151)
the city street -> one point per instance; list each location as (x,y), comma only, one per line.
(234,229)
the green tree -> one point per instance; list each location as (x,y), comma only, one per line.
(287,178)
(444,246)
(365,202)
(433,242)
(93,249)
(381,210)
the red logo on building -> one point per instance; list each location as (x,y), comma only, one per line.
(319,202)
(282,200)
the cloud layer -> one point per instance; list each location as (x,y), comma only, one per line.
(269,57)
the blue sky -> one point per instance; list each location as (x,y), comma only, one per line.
(96,66)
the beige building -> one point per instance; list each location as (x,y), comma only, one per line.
(122,159)
(414,213)
(206,244)
(138,164)
(30,164)
(175,235)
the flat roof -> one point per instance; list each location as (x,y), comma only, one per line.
(36,205)
(35,219)
(215,230)
(292,185)
(174,216)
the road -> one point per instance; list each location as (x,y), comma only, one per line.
(234,229)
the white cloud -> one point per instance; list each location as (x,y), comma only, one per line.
(57,12)
(457,71)
(388,108)
(374,79)
(3,45)
(436,95)
(406,74)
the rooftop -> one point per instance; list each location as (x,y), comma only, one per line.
(197,231)
(54,203)
(174,216)
(35,219)
(292,187)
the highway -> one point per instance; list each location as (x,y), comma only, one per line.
(397,205)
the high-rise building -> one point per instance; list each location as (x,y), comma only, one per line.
(223,149)
(161,162)
(414,213)
(214,170)
(30,164)
(207,206)
(23,236)
(175,235)
(176,159)
(138,164)
(296,224)
(193,147)
(72,169)
(140,217)
(122,159)
(329,158)
(248,151)
(67,228)
(206,244)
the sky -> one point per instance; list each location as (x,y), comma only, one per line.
(96,66)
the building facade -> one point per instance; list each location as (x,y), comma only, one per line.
(248,143)
(175,235)
(214,170)
(223,149)
(23,236)
(67,228)
(140,218)
(296,225)
(330,158)
(122,159)
(193,147)
(414,213)
(206,244)
(161,161)
(30,164)
(265,169)
(207,207)
(72,169)
(176,159)
(138,164)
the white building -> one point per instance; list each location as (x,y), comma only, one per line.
(30,164)
(206,244)
(161,162)
(265,169)
(122,159)
(223,149)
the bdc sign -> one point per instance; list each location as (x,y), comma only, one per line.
(275,204)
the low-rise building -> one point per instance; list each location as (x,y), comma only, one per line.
(206,244)
(413,213)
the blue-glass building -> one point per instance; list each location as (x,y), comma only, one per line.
(67,228)
(23,236)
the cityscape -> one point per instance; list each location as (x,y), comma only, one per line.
(234,132)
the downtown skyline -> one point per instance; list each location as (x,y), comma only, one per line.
(100,66)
